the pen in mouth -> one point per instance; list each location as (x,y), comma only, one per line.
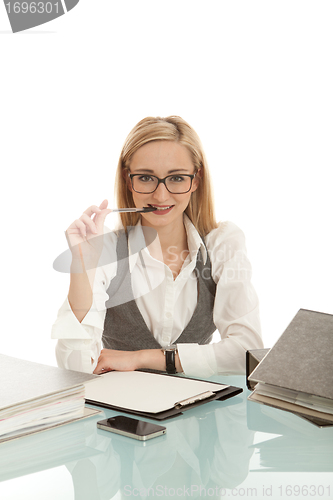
(160,210)
(134,209)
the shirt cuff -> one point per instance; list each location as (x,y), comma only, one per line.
(78,355)
(197,360)
(67,325)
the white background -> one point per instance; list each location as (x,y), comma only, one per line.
(254,79)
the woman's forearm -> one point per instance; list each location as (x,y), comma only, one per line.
(153,359)
(80,295)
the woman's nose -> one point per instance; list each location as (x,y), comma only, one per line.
(161,192)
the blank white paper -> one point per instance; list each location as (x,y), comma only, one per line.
(147,392)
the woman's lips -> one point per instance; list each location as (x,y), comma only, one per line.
(161,209)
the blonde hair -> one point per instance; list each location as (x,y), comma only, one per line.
(200,209)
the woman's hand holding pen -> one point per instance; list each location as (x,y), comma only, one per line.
(85,240)
(85,236)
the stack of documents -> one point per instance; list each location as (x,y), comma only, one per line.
(297,373)
(35,397)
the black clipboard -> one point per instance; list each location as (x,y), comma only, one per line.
(220,395)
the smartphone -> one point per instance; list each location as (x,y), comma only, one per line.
(131,427)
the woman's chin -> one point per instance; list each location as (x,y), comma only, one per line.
(161,220)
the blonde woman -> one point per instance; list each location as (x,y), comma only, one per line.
(154,292)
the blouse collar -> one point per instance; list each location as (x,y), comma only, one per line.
(137,242)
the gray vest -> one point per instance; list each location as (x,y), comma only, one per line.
(124,327)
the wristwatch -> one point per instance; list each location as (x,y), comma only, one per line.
(170,356)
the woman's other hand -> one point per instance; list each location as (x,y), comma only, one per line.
(124,361)
(110,360)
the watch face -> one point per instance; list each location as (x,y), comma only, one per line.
(170,364)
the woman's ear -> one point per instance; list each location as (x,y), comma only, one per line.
(125,174)
(196,180)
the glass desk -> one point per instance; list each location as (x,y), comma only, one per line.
(228,449)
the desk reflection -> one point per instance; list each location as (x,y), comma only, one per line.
(205,450)
(300,447)
(208,448)
(47,449)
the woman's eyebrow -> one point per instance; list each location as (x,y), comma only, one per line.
(177,170)
(149,171)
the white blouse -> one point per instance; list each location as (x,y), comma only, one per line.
(166,313)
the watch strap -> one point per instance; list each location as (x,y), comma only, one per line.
(170,361)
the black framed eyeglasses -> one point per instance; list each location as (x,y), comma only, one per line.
(175,183)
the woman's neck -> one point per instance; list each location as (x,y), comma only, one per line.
(171,239)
